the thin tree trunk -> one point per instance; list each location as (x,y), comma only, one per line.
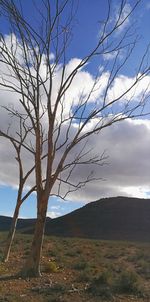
(11,233)
(32,265)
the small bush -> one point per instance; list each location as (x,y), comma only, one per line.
(85,276)
(80,265)
(52,253)
(51,267)
(51,293)
(105,278)
(3,269)
(101,286)
(144,268)
(128,282)
(71,253)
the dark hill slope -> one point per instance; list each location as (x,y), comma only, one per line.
(5,223)
(118,218)
(22,224)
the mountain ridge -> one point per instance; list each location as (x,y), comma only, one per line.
(111,218)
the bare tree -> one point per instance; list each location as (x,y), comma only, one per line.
(23,177)
(36,69)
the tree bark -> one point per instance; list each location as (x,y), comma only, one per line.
(32,265)
(11,233)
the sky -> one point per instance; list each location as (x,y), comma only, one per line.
(126,144)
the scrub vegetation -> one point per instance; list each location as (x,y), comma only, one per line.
(78,270)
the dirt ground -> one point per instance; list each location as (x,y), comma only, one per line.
(78,270)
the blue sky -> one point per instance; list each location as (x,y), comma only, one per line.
(86,31)
(57,207)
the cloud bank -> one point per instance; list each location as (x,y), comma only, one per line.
(127,171)
(127,143)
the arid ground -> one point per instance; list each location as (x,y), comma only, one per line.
(78,270)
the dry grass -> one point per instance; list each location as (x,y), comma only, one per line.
(78,270)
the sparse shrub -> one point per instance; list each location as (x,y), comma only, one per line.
(101,286)
(71,253)
(54,293)
(85,275)
(51,293)
(139,255)
(104,278)
(3,269)
(97,244)
(144,268)
(52,253)
(128,282)
(82,265)
(51,267)
(58,287)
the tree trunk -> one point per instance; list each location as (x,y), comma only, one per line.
(32,265)
(11,233)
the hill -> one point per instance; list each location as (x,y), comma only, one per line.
(25,225)
(116,218)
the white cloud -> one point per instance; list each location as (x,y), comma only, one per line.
(140,192)
(120,17)
(110,56)
(128,172)
(55,207)
(127,143)
(55,211)
(122,83)
(82,84)
(53,214)
(51,56)
(113,55)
